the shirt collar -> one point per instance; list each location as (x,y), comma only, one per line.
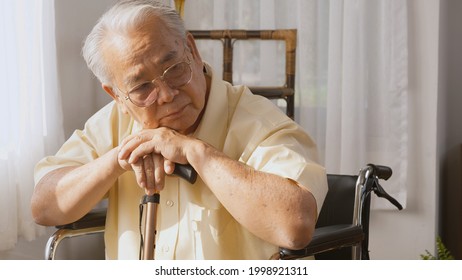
(214,123)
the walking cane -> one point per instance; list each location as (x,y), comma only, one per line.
(184,171)
(148,244)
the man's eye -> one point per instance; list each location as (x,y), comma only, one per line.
(142,89)
(176,71)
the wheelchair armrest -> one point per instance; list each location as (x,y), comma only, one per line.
(325,239)
(91,223)
(95,218)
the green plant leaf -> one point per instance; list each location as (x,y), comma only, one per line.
(442,253)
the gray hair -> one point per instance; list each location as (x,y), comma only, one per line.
(120,18)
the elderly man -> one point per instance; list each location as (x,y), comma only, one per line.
(258,188)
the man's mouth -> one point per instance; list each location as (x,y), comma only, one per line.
(173,114)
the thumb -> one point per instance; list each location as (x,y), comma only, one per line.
(169,166)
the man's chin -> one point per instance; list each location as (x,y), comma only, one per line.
(180,127)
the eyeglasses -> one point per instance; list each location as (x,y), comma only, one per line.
(175,77)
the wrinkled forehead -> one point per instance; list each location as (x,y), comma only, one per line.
(150,45)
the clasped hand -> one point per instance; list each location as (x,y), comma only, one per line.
(151,154)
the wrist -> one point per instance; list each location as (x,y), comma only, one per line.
(118,166)
(199,153)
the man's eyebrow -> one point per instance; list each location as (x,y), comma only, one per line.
(168,57)
(130,80)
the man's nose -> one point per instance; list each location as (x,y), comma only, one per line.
(166,94)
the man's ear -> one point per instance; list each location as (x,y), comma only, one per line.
(115,96)
(191,44)
(109,91)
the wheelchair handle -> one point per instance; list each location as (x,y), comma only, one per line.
(380,192)
(374,173)
(381,171)
(369,178)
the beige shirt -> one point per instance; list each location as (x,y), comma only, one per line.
(192,223)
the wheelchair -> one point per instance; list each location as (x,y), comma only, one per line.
(342,229)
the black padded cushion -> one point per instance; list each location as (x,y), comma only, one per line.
(338,209)
(339,202)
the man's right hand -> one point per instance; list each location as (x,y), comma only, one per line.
(149,171)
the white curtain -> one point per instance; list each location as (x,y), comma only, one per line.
(367,89)
(30,110)
(351,76)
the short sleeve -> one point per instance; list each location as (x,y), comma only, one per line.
(101,133)
(290,153)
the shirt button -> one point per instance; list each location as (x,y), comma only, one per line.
(195,225)
(165,248)
(170,203)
